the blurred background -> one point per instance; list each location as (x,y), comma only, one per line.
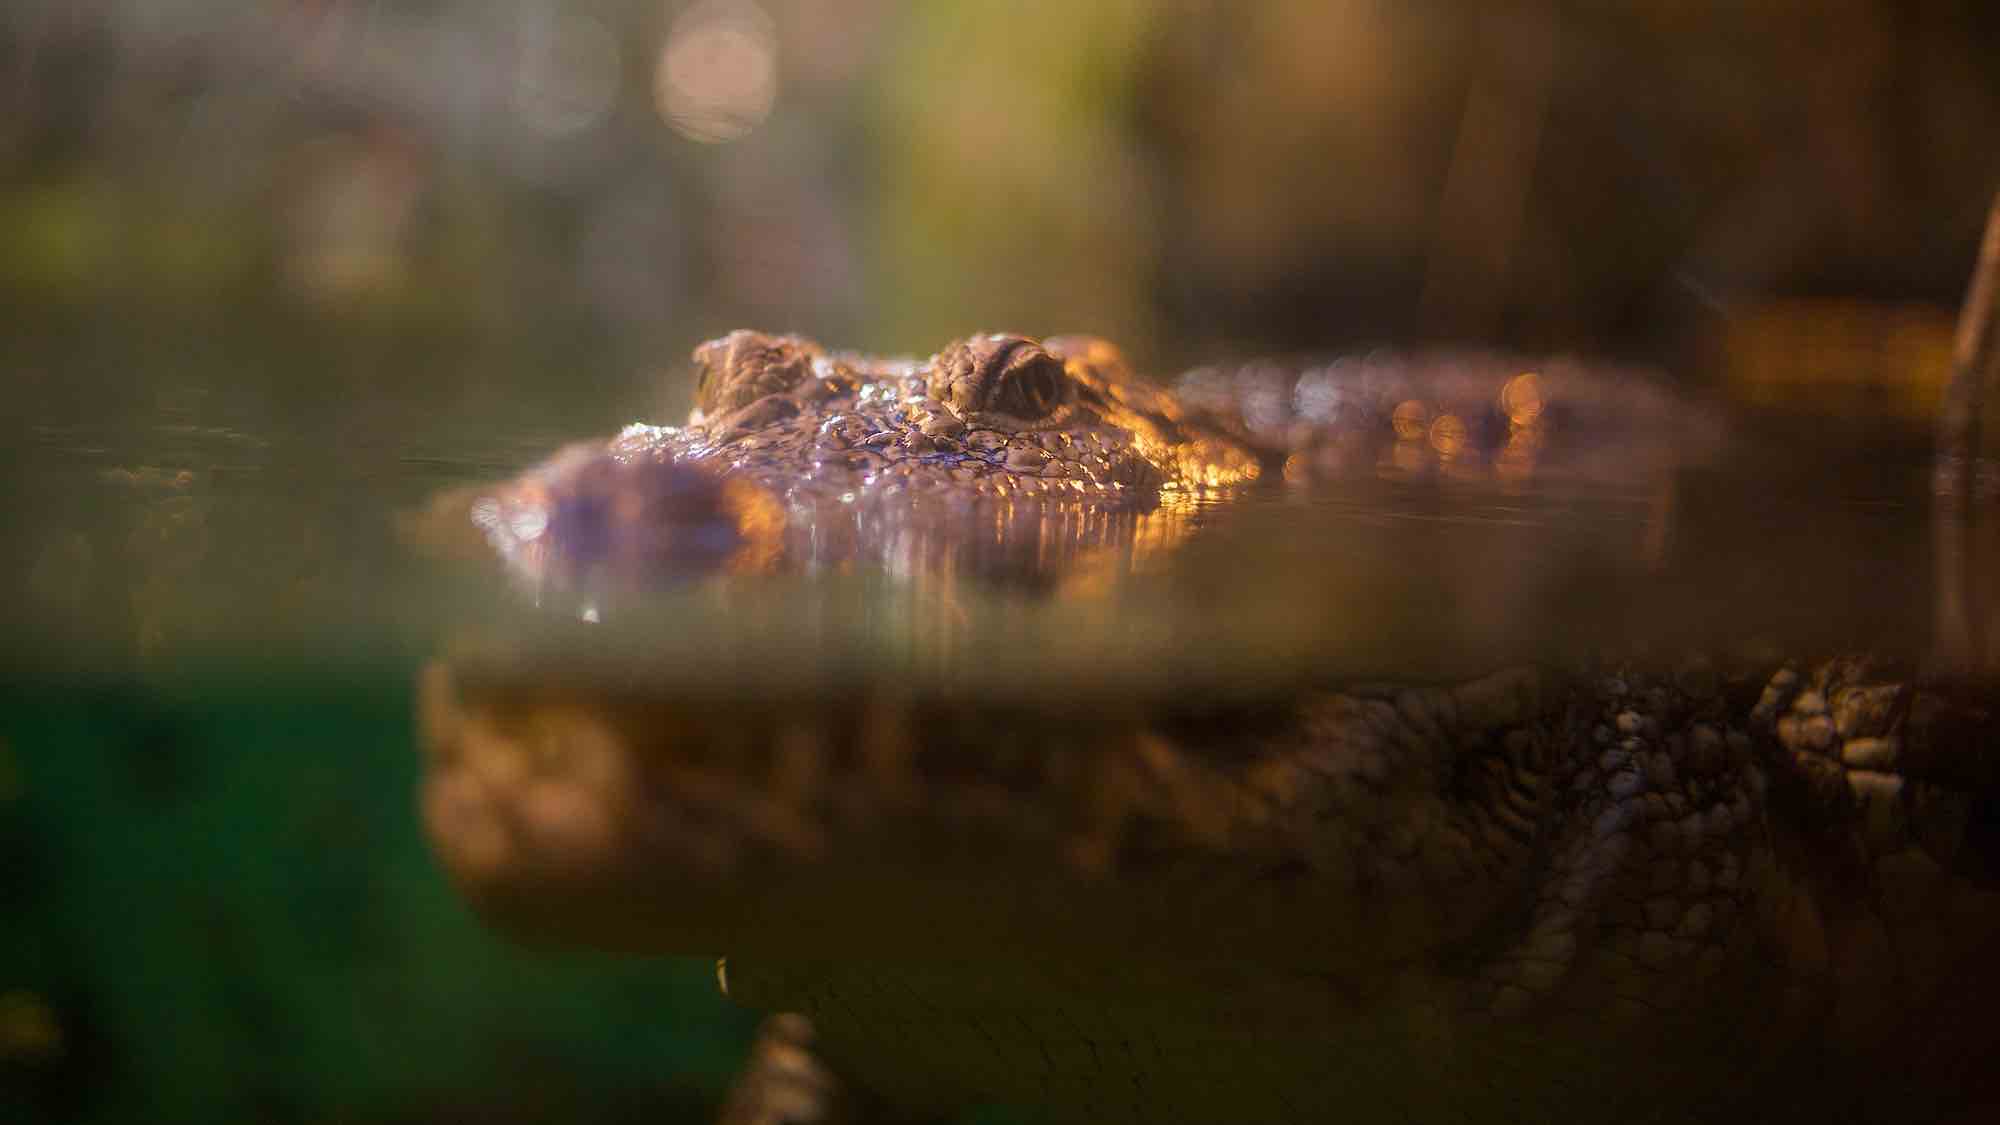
(274,269)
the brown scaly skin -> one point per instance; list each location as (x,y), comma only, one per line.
(1727,887)
(797,458)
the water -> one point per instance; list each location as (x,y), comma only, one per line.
(223,907)
(219,907)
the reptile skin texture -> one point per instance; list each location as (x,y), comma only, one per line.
(1691,886)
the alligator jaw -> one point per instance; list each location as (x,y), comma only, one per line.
(1561,885)
(1331,832)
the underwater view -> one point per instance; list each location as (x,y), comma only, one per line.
(844,560)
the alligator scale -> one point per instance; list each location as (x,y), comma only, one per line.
(1725,884)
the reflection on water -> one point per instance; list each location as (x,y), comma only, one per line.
(1513,494)
(198,556)
(1435,514)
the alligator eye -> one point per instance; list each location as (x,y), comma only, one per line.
(743,367)
(1033,391)
(1009,375)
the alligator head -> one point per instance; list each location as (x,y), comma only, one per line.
(1022,461)
(799,458)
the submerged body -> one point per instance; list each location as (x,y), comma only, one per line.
(1680,886)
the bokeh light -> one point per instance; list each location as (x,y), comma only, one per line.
(1521,398)
(1448,434)
(567,74)
(1411,418)
(27,1027)
(717,77)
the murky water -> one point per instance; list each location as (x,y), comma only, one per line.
(222,593)
(219,907)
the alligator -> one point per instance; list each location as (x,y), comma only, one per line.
(1642,885)
(797,458)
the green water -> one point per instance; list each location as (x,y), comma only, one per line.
(217,904)
(223,901)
